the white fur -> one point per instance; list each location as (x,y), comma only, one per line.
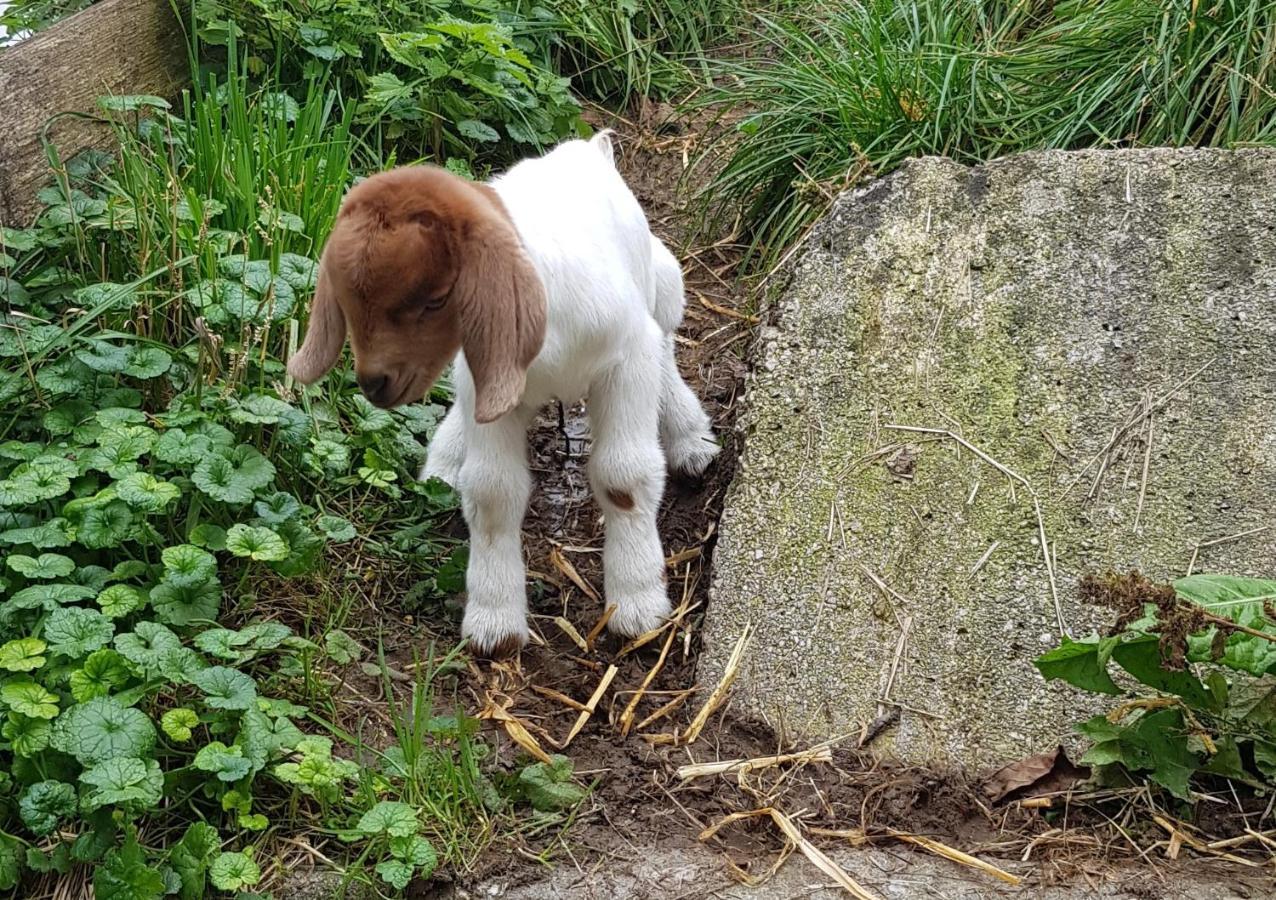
(614,298)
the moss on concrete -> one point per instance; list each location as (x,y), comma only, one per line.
(1028,305)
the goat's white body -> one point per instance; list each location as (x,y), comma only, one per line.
(614,296)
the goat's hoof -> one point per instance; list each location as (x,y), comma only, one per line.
(691,456)
(640,613)
(490,638)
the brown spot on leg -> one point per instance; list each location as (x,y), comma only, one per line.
(622,500)
(502,649)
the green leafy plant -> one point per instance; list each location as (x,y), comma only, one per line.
(831,97)
(458,80)
(1206,647)
(158,475)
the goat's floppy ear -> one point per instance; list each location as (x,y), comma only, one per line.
(502,316)
(324,335)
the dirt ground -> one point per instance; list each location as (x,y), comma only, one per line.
(638,835)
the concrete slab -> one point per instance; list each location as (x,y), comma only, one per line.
(1034,308)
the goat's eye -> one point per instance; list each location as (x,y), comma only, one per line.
(434,304)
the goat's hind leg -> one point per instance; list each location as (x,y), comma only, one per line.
(685,431)
(627,474)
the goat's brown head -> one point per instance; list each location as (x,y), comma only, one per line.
(421,264)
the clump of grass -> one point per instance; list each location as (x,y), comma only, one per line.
(873,83)
(617,52)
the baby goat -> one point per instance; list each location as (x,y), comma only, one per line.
(550,285)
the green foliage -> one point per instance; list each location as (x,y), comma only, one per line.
(549,786)
(622,51)
(856,89)
(463,80)
(1213,706)
(156,472)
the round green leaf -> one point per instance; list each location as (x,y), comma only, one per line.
(146,492)
(118,600)
(147,362)
(44,803)
(234,871)
(225,688)
(74,631)
(389,817)
(178,723)
(102,729)
(27,736)
(123,781)
(45,566)
(337,529)
(22,655)
(256,542)
(22,695)
(227,763)
(104,671)
(186,564)
(182,604)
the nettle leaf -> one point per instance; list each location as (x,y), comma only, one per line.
(1083,664)
(44,566)
(123,781)
(22,695)
(278,508)
(260,409)
(183,604)
(239,646)
(394,873)
(118,600)
(256,542)
(234,871)
(63,418)
(147,362)
(341,648)
(10,862)
(103,672)
(179,723)
(415,851)
(22,655)
(74,631)
(227,763)
(45,536)
(208,536)
(48,596)
(105,526)
(178,448)
(157,651)
(225,688)
(102,729)
(103,357)
(389,817)
(44,804)
(192,856)
(186,564)
(318,773)
(146,492)
(337,529)
(26,735)
(233,477)
(368,418)
(126,874)
(549,787)
(300,272)
(327,455)
(478,131)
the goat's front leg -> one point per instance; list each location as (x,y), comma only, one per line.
(446,453)
(495,484)
(627,473)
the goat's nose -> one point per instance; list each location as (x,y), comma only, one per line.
(373,386)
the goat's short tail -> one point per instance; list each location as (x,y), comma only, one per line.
(602,140)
